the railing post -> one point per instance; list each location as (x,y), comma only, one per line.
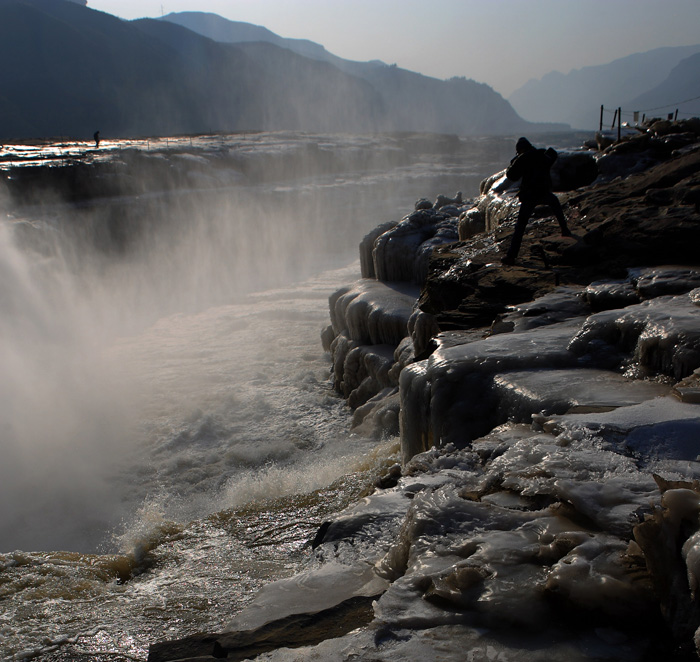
(619,124)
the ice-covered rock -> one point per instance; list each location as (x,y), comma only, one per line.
(662,335)
(361,371)
(641,283)
(550,484)
(669,540)
(610,294)
(573,170)
(401,253)
(372,312)
(562,304)
(367,247)
(521,393)
(498,202)
(652,282)
(446,399)
(308,592)
(369,319)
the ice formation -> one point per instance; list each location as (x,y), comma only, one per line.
(550,486)
(547,506)
(400,252)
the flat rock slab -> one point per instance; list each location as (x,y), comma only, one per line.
(576,390)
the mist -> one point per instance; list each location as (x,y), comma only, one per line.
(135,359)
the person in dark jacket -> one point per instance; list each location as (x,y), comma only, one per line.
(532,167)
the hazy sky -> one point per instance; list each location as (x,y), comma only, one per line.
(500,42)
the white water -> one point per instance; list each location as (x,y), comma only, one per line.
(164,381)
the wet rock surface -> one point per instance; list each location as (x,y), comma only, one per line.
(547,503)
(647,219)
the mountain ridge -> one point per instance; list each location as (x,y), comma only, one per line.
(88,70)
(575,98)
(677,88)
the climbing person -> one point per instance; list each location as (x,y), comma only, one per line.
(531,166)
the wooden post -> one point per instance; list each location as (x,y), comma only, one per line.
(614,119)
(600,128)
(619,123)
(675,118)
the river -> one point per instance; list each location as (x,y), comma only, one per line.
(170,438)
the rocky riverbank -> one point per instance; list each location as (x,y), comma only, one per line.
(547,503)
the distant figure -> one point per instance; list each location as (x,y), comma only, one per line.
(96,136)
(532,167)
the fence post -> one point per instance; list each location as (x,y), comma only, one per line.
(600,128)
(614,119)
(619,124)
(675,119)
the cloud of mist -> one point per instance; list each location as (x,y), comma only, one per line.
(104,321)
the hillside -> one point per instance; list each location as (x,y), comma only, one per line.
(88,70)
(681,87)
(147,77)
(220,29)
(576,97)
(412,101)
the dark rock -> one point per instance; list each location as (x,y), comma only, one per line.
(198,646)
(647,219)
(573,170)
(444,201)
(296,630)
(390,478)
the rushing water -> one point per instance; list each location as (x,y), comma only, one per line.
(170,440)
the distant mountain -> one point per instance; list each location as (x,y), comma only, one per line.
(680,90)
(68,70)
(220,29)
(412,101)
(576,97)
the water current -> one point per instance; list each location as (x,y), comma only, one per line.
(170,439)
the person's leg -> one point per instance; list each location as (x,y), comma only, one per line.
(553,202)
(526,209)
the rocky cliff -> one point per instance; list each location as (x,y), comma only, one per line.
(547,501)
